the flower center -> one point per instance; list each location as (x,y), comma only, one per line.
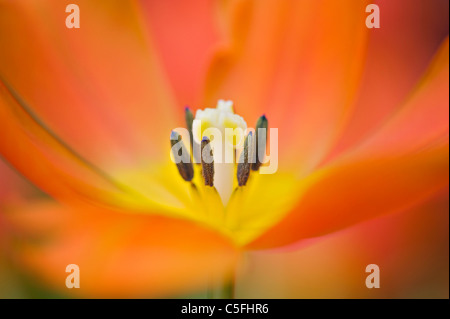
(222,145)
(240,198)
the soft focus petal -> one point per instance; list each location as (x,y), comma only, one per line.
(398,54)
(99,87)
(56,168)
(282,60)
(411,248)
(400,166)
(14,189)
(186,35)
(348,193)
(424,119)
(9,182)
(119,255)
(45,160)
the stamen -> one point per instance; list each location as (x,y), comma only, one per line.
(189,117)
(262,123)
(243,169)
(184,163)
(207,162)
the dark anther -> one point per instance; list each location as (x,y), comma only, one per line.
(189,117)
(262,123)
(182,157)
(207,162)
(243,169)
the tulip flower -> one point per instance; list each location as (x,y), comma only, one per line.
(86,115)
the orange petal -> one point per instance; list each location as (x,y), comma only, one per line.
(186,35)
(47,161)
(8,182)
(119,254)
(424,118)
(398,54)
(355,190)
(298,62)
(99,87)
(400,166)
(411,249)
(13,186)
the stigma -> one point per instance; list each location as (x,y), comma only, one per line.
(218,135)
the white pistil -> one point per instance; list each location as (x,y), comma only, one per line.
(212,124)
(223,178)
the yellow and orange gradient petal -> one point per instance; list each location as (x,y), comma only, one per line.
(87,117)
